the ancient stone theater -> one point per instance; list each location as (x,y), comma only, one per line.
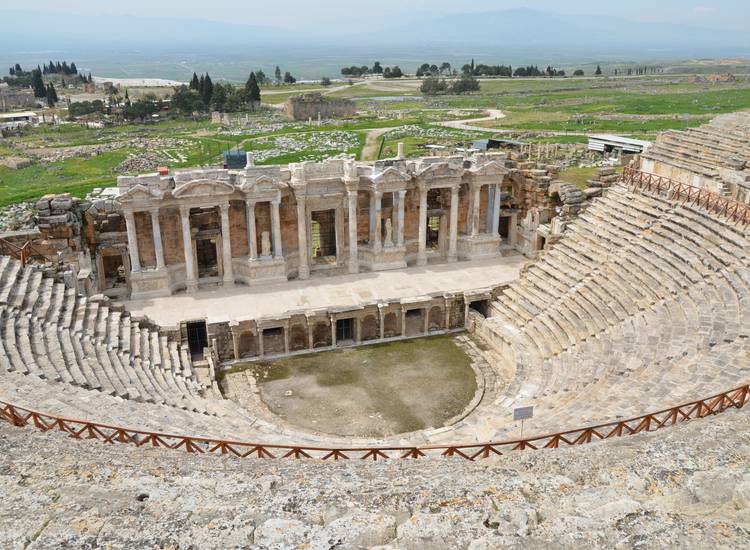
(607,324)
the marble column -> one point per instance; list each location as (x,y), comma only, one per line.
(403,321)
(495,226)
(353,252)
(310,342)
(333,332)
(453,236)
(252,238)
(234,328)
(187,244)
(158,246)
(422,251)
(304,268)
(475,203)
(276,222)
(135,260)
(381,319)
(226,245)
(400,218)
(378,221)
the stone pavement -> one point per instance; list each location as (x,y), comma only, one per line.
(345,291)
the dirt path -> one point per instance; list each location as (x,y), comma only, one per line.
(372,145)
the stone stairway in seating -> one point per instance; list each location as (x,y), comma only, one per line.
(49,332)
(643,304)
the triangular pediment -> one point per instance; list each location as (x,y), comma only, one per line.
(493,168)
(261,182)
(138,193)
(390,175)
(440,170)
(203,188)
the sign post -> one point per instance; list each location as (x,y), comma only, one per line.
(522,413)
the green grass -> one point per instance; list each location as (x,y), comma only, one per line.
(76,176)
(578,176)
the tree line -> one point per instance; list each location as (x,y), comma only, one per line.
(376,69)
(201,94)
(60,68)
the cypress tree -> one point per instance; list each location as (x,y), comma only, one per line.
(51,95)
(207,89)
(37,83)
(252,90)
(194,83)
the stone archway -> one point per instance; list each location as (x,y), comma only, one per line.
(321,335)
(436,318)
(298,338)
(390,325)
(248,344)
(370,329)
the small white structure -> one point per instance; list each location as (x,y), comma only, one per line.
(608,143)
(21,118)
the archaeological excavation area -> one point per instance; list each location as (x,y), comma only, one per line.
(389,309)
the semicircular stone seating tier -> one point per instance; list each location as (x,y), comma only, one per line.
(643,304)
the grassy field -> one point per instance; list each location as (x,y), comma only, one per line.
(637,106)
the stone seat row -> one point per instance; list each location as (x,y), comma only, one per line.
(616,323)
(49,331)
(641,271)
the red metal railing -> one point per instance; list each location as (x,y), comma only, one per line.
(22,253)
(84,429)
(713,202)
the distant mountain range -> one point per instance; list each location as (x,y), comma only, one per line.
(507,36)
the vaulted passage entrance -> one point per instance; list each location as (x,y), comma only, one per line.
(197,338)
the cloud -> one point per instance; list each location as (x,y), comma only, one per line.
(705,10)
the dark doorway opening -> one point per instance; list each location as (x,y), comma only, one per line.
(503,227)
(323,234)
(433,232)
(208,261)
(197,337)
(480,306)
(344,330)
(114,271)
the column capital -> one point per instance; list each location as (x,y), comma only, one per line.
(154,209)
(402,193)
(224,207)
(184,209)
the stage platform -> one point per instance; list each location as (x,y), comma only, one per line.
(242,303)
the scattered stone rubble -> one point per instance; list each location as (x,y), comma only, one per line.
(316,145)
(58,154)
(604,177)
(17,216)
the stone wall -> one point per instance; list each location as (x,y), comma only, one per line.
(314,106)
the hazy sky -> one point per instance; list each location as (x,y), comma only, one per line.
(728,14)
